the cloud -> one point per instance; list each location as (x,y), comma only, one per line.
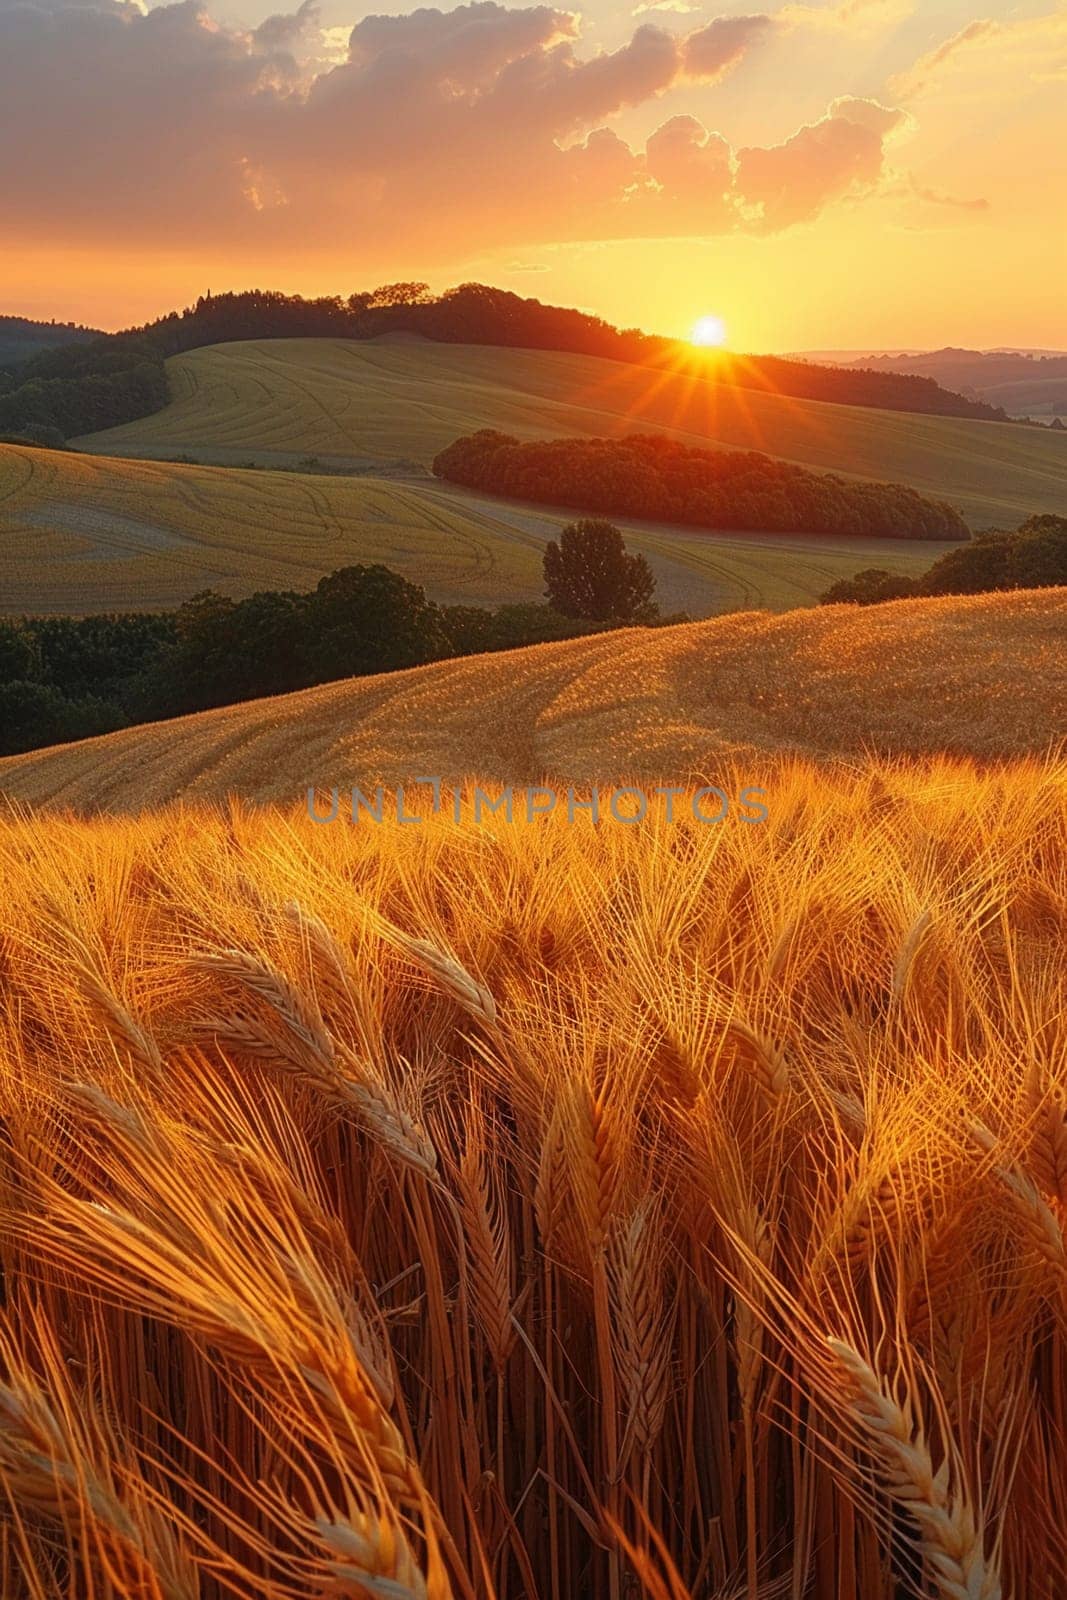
(440,133)
(467,46)
(679,7)
(692,172)
(991,60)
(556,91)
(920,207)
(841,154)
(937,197)
(919,76)
(287,32)
(113,117)
(710,52)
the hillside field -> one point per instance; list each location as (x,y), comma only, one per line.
(912,678)
(85,533)
(403,399)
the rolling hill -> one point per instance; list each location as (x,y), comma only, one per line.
(401,399)
(1024,383)
(917,677)
(85,533)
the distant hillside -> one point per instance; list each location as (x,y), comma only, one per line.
(21,338)
(915,677)
(1021,383)
(402,399)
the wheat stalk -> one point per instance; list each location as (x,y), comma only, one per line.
(949,1540)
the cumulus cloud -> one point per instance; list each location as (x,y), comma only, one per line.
(710,52)
(466,46)
(439,131)
(112,114)
(841,154)
(287,32)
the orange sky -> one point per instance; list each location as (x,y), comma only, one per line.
(861,173)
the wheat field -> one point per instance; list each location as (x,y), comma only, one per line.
(403,398)
(85,533)
(978,675)
(540,1212)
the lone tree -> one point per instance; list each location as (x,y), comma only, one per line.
(589,574)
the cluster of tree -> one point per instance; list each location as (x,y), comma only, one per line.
(651,476)
(65,678)
(1033,557)
(80,387)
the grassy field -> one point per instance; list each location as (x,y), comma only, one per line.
(915,677)
(436,1213)
(85,533)
(404,399)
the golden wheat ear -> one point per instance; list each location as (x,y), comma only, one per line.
(949,1533)
(447,971)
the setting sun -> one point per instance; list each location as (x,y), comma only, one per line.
(709,331)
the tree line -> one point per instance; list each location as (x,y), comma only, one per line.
(64,678)
(100,382)
(662,480)
(22,337)
(1034,556)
